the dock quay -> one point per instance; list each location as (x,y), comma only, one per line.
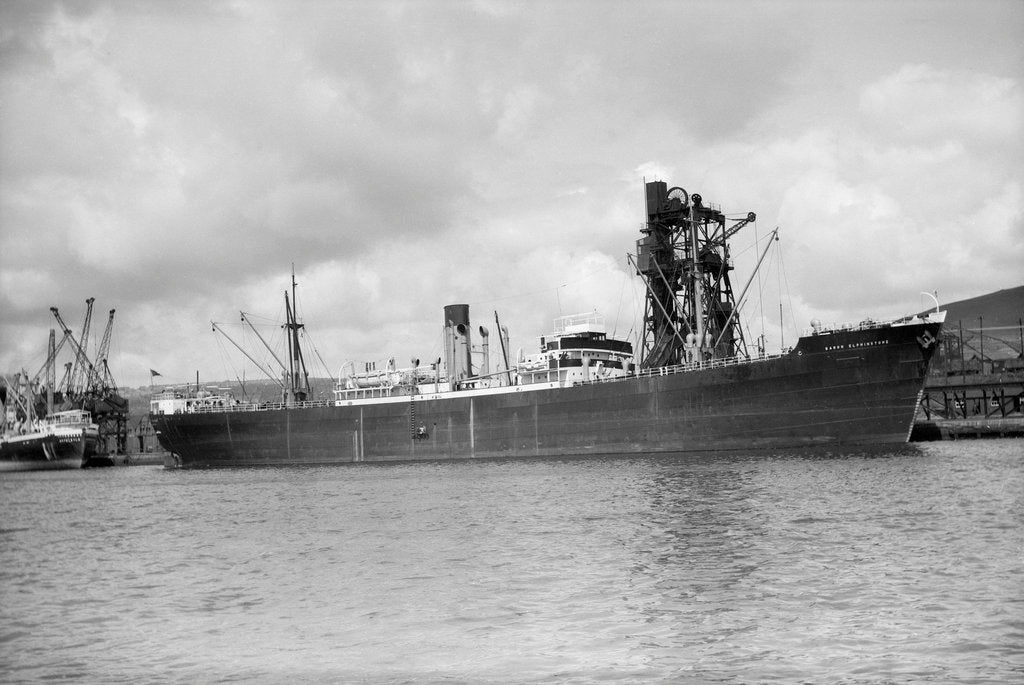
(971,406)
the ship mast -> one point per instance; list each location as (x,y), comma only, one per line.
(683,258)
(298,378)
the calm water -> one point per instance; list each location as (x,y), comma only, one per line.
(903,566)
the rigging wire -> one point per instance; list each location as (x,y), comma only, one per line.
(778,286)
(323,364)
(278,344)
(225,358)
(760,287)
(756,310)
(262,351)
(789,297)
(618,308)
(326,369)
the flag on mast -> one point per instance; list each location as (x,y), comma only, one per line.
(153,373)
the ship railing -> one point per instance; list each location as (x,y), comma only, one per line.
(166,395)
(864,325)
(708,364)
(870,323)
(260,406)
(688,367)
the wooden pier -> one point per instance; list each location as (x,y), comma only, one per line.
(971,406)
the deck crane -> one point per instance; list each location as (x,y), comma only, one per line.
(45,380)
(51,374)
(48,370)
(83,375)
(96,395)
(720,240)
(65,381)
(80,375)
(106,378)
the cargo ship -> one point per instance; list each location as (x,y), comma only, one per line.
(67,425)
(61,440)
(691,384)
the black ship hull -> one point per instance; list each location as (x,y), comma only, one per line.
(846,387)
(46,451)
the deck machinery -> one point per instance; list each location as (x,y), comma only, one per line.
(683,257)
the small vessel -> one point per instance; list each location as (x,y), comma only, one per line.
(62,440)
(49,425)
(691,386)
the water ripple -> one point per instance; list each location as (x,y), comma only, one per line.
(807,567)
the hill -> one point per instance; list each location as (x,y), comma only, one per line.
(999,309)
(986,327)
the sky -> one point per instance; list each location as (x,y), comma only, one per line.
(176,161)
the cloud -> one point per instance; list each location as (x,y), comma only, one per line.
(175,160)
(920,102)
